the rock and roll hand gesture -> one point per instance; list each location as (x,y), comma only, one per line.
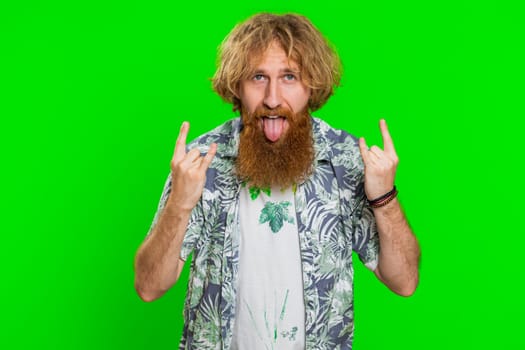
(380,164)
(188,172)
(158,264)
(398,265)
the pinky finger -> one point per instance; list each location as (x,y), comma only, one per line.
(363,148)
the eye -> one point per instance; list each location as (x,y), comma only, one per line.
(258,77)
(290,77)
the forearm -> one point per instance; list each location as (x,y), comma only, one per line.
(399,250)
(157,263)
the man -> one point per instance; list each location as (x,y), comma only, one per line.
(273,203)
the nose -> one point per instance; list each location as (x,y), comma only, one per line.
(272,96)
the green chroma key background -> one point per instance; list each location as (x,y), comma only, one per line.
(93,95)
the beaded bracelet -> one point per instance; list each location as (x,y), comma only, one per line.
(384,199)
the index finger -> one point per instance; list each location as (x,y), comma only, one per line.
(388,144)
(180,145)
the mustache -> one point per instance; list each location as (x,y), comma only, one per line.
(261,112)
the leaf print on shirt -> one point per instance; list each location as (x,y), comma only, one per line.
(255,191)
(276,214)
(269,336)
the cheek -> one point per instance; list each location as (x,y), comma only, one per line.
(250,98)
(252,105)
(301,100)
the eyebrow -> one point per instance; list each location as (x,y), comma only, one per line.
(284,70)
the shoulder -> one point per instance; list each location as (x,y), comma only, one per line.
(333,144)
(341,150)
(226,136)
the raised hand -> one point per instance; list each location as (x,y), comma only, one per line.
(188,172)
(380,164)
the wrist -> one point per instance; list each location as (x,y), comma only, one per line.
(384,199)
(176,208)
(387,208)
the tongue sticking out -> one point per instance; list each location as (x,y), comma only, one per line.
(273,128)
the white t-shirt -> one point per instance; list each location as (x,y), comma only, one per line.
(270,302)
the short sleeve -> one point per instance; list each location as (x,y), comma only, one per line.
(193,232)
(194,229)
(366,238)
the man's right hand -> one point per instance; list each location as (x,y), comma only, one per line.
(188,172)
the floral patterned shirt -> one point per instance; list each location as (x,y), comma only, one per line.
(333,220)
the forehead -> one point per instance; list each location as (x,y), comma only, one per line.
(273,58)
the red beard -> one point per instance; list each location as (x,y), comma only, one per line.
(287,161)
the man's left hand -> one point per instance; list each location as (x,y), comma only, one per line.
(380,164)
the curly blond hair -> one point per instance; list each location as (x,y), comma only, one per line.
(318,62)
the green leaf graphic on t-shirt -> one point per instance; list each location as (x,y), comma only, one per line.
(255,191)
(276,214)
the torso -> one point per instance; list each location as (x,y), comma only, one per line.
(270,303)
